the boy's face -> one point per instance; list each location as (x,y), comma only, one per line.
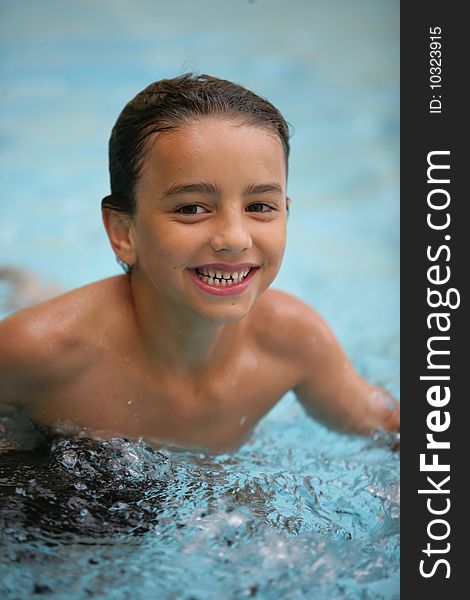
(211,202)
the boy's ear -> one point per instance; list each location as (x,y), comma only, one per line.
(118,228)
(288,202)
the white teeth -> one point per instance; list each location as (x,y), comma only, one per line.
(219,278)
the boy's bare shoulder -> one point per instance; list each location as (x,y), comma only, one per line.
(61,319)
(286,325)
(45,342)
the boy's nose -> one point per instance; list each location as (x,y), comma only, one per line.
(231,233)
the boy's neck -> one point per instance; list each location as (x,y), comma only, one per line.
(180,340)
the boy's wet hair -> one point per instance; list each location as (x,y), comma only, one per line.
(168,104)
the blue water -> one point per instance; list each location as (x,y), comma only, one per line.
(298,512)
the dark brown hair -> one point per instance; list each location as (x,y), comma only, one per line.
(168,104)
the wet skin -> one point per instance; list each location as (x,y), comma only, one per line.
(170,353)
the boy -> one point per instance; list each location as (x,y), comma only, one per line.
(190,348)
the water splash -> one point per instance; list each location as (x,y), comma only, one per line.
(275,519)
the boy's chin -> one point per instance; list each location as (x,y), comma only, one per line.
(224,315)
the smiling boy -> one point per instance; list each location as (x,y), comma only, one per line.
(190,348)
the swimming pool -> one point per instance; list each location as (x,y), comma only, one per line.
(298,512)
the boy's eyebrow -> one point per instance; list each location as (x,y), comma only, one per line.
(209,188)
(190,188)
(262,188)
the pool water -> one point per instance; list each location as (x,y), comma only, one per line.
(299,511)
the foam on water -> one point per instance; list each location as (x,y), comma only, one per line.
(275,519)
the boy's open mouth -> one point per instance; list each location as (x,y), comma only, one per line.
(221,278)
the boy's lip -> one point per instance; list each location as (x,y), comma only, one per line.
(232,290)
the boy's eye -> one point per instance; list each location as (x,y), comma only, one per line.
(260,207)
(190,209)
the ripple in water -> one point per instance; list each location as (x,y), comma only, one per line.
(119,519)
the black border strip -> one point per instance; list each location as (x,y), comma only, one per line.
(423,132)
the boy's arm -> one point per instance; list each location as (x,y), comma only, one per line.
(24,361)
(329,387)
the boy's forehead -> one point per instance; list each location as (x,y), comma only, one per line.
(213,148)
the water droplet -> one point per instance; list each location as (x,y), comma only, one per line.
(69,459)
(119,506)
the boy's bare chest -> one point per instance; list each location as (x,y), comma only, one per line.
(216,412)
